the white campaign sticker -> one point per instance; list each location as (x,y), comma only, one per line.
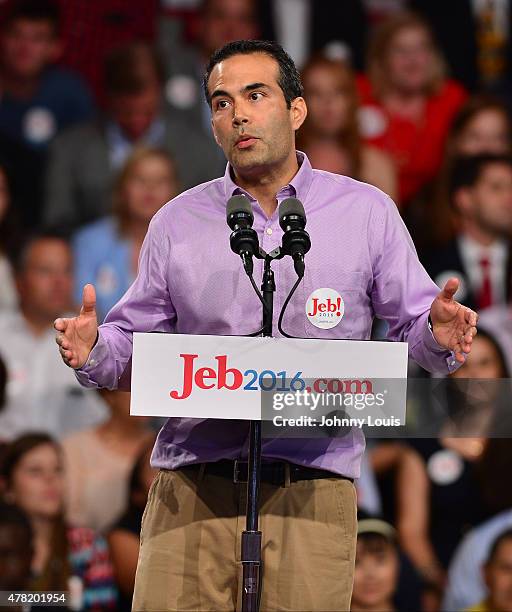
(372,121)
(181,90)
(325,308)
(445,467)
(39,125)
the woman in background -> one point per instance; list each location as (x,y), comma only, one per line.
(481,126)
(106,252)
(65,558)
(330,135)
(407,103)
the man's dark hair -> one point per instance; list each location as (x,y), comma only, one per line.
(504,536)
(467,170)
(289,77)
(34,10)
(19,255)
(132,67)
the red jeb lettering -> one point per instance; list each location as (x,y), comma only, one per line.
(205,374)
(188,370)
(315,308)
(223,371)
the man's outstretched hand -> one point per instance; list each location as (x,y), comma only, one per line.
(453,325)
(77,336)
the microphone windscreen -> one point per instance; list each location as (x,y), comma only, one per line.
(291,206)
(238,203)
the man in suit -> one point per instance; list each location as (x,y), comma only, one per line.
(481,193)
(84,160)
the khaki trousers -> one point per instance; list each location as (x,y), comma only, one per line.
(189,557)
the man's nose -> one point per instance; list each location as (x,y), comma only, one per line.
(239,120)
(239,116)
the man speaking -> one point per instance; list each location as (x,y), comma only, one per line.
(190,282)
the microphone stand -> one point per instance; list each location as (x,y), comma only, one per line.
(244,241)
(251,536)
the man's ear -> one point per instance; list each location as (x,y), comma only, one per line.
(298,112)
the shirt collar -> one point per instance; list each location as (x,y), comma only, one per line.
(298,187)
(472,251)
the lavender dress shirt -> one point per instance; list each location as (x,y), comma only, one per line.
(190,282)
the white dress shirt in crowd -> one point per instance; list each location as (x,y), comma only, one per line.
(42,392)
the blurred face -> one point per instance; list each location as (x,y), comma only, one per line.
(483,362)
(498,578)
(487,132)
(409,61)
(37,485)
(15,557)
(136,112)
(45,283)
(250,119)
(4,195)
(151,184)
(375,576)
(225,21)
(328,101)
(489,202)
(29,46)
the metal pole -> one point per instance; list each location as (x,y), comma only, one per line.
(251,537)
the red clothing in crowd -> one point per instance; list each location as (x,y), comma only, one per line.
(91,29)
(416,148)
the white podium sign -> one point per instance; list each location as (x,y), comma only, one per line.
(225,377)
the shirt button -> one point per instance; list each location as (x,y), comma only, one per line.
(92,362)
(269,231)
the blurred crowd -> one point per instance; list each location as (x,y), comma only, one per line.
(103,120)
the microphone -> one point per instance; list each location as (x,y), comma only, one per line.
(243,239)
(296,241)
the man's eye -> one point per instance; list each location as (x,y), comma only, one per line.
(256,95)
(222,104)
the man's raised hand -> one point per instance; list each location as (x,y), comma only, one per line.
(453,325)
(76,336)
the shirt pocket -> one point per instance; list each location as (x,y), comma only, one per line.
(352,287)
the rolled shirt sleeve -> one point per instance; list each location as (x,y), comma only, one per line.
(145,307)
(402,291)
